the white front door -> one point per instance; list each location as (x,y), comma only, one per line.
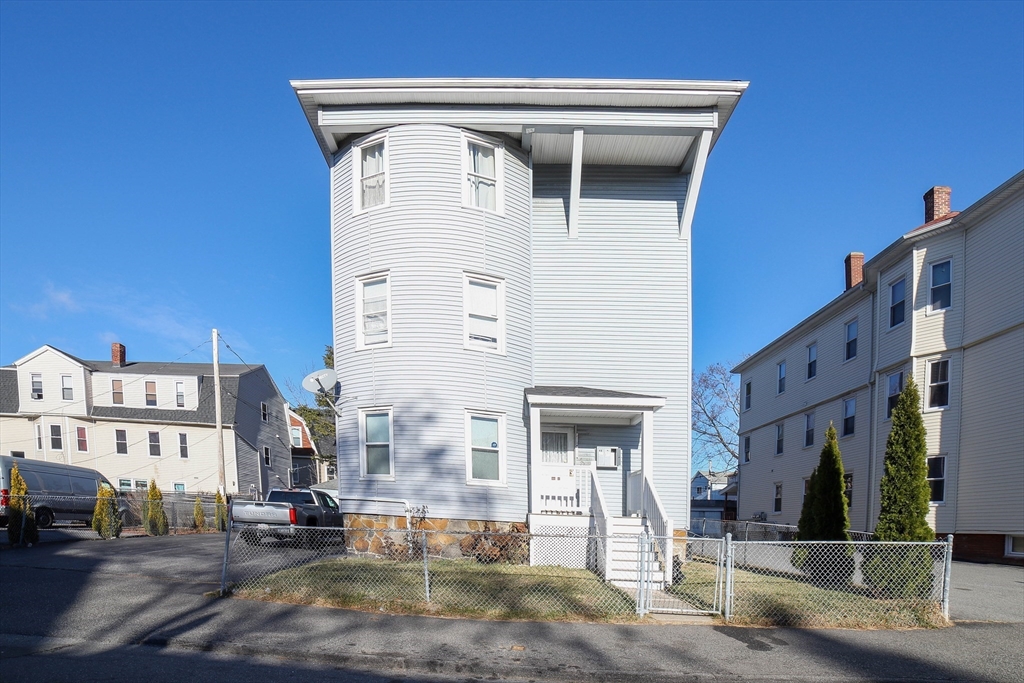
(558,446)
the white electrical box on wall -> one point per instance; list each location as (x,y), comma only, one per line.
(608,457)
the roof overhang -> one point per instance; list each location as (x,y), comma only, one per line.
(625,122)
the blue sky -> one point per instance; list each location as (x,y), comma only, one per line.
(158,179)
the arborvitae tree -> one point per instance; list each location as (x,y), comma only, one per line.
(220,517)
(199,515)
(829,509)
(156,518)
(105,520)
(21,520)
(807,527)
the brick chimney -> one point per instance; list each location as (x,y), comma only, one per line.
(118,355)
(936,203)
(854,269)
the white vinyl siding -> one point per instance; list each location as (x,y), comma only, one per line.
(373,311)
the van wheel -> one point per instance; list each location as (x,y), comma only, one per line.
(44,518)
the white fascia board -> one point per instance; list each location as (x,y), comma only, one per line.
(585,402)
(43,349)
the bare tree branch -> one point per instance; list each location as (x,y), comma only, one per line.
(716,417)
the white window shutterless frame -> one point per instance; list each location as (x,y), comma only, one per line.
(371,186)
(485,449)
(377,443)
(483,172)
(373,311)
(483,324)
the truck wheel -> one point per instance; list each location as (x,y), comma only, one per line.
(44,518)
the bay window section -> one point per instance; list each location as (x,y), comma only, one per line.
(376,439)
(486,452)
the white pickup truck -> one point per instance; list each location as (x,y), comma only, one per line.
(285,514)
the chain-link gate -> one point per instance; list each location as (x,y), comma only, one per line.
(680,576)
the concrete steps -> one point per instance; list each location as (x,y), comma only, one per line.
(625,555)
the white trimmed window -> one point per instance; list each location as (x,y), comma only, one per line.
(124,484)
(485,449)
(117,392)
(370,177)
(39,437)
(849,416)
(264,412)
(154,444)
(780,433)
(782,377)
(851,340)
(938,383)
(183,445)
(121,441)
(179,486)
(376,443)
(484,313)
(700,490)
(941,285)
(373,311)
(937,478)
(746,395)
(82,437)
(150,393)
(37,387)
(483,169)
(179,394)
(56,438)
(897,302)
(808,430)
(141,485)
(894,383)
(777,505)
(267,457)
(812,361)
(1014,545)
(67,391)
(297,437)
(746,449)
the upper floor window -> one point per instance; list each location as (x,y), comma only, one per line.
(780,433)
(938,383)
(267,459)
(117,392)
(183,445)
(56,438)
(812,361)
(179,394)
(483,163)
(746,449)
(373,311)
(849,416)
(371,176)
(37,387)
(296,437)
(851,340)
(808,430)
(700,490)
(82,438)
(39,437)
(376,436)
(937,478)
(264,412)
(895,388)
(485,461)
(897,302)
(942,285)
(154,444)
(121,441)
(67,391)
(484,313)
(777,506)
(150,393)
(782,377)
(746,396)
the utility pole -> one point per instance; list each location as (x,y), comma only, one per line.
(220,422)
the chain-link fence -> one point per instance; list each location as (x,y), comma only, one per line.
(576,575)
(743,530)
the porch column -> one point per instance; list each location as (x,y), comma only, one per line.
(534,455)
(646,455)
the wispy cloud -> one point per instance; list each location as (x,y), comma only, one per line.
(52,300)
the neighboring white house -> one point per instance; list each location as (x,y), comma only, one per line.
(511,283)
(136,421)
(709,485)
(945,302)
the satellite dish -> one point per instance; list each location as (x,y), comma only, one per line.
(321,381)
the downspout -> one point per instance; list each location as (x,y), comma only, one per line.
(873,386)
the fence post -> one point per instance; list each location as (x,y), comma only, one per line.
(727,606)
(947,572)
(224,569)
(426,568)
(640,582)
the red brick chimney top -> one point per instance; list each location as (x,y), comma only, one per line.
(936,203)
(854,269)
(118,355)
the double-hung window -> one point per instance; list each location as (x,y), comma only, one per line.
(264,412)
(150,393)
(897,302)
(183,445)
(851,340)
(67,391)
(117,392)
(483,169)
(154,444)
(746,449)
(179,394)
(937,478)
(82,437)
(37,387)
(485,456)
(812,361)
(895,388)
(484,313)
(746,395)
(296,437)
(782,377)
(267,456)
(849,416)
(371,174)
(56,438)
(376,443)
(808,430)
(39,437)
(777,506)
(373,311)
(780,433)
(938,383)
(941,285)
(121,441)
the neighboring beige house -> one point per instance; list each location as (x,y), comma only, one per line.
(136,421)
(945,302)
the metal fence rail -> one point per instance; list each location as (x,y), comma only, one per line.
(743,530)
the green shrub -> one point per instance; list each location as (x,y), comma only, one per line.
(21,520)
(105,520)
(899,571)
(221,515)
(199,515)
(156,519)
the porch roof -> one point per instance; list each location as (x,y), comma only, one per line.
(590,397)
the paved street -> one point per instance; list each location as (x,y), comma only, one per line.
(92,610)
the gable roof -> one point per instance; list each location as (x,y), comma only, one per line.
(8,391)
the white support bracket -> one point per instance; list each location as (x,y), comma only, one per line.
(693,187)
(577,176)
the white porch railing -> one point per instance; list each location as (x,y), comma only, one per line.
(602,526)
(660,526)
(561,489)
